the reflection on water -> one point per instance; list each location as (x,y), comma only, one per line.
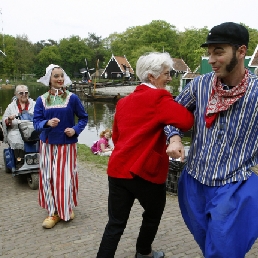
(100,113)
(101,116)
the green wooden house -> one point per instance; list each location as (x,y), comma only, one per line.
(251,62)
(205,67)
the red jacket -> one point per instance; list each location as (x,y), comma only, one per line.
(138,133)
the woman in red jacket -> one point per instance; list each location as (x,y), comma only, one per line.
(138,166)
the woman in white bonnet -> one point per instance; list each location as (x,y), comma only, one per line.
(54,117)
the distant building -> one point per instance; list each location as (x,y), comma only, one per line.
(118,67)
(251,62)
(186,78)
(179,67)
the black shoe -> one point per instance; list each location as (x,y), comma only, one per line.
(154,255)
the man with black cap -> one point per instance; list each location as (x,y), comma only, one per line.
(218,189)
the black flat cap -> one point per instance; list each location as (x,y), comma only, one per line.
(228,33)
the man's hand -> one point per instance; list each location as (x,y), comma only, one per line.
(175,148)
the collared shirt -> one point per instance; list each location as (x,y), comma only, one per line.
(149,85)
(225,152)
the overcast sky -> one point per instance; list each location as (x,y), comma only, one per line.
(57,19)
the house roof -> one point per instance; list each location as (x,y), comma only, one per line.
(254,59)
(121,61)
(180,66)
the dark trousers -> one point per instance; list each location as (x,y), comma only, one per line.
(19,157)
(122,193)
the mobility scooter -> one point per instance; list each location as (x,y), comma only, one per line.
(29,162)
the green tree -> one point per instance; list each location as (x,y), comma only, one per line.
(48,55)
(19,57)
(73,52)
(7,64)
(158,35)
(96,44)
(115,43)
(162,36)
(253,40)
(189,47)
(44,43)
(24,56)
(38,67)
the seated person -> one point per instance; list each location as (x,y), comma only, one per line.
(1,133)
(21,106)
(103,147)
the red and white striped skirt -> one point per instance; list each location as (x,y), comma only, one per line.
(58,178)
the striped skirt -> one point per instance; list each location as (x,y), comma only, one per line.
(58,178)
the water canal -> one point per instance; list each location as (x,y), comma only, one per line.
(100,113)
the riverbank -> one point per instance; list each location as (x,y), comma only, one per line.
(122,90)
(7,86)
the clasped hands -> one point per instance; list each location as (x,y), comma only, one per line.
(54,122)
(12,117)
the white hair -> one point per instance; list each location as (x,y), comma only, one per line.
(21,86)
(152,63)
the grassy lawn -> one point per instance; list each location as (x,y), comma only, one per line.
(85,154)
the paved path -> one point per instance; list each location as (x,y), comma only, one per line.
(22,236)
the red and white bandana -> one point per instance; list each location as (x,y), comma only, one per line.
(221,100)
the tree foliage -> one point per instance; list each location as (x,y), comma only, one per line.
(22,56)
(253,40)
(189,47)
(100,53)
(49,55)
(73,51)
(7,66)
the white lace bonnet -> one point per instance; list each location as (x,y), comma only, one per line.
(46,78)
